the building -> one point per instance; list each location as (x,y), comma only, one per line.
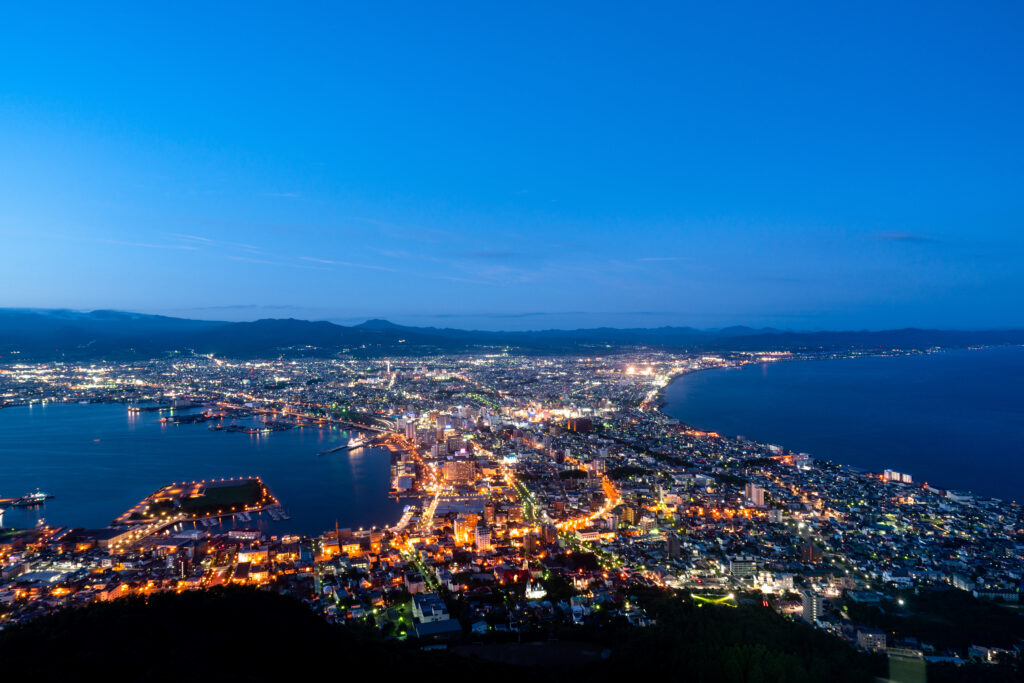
(990,655)
(410,431)
(810,553)
(892,475)
(871,639)
(813,606)
(111,538)
(743,567)
(629,514)
(428,607)
(672,547)
(464,527)
(1004,594)
(755,495)
(483,538)
(613,519)
(415,583)
(580,424)
(459,471)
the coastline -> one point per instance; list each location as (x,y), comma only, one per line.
(661,402)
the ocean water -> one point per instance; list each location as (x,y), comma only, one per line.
(99,460)
(954,419)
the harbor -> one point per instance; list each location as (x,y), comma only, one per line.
(357,442)
(101,459)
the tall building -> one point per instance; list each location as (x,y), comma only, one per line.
(465,528)
(483,537)
(672,547)
(755,495)
(813,606)
(810,553)
(744,567)
(410,431)
(530,545)
(630,514)
(613,519)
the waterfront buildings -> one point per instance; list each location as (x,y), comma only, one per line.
(538,491)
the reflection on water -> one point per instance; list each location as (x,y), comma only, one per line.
(99,460)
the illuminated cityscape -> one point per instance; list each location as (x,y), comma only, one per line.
(536,491)
(557,342)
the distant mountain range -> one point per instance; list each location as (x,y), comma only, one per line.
(52,334)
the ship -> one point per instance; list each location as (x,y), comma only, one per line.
(352,444)
(32,499)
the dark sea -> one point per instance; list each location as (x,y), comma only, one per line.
(99,460)
(953,419)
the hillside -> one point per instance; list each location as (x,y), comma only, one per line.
(59,334)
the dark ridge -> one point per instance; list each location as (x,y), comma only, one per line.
(62,334)
(234,634)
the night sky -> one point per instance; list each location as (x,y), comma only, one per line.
(513,166)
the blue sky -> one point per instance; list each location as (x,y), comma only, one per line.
(518,165)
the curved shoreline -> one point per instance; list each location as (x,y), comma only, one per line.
(662,402)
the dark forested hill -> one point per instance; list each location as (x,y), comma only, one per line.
(244,634)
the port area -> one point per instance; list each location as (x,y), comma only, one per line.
(408,472)
(358,442)
(29,500)
(204,500)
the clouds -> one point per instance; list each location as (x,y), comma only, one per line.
(900,237)
(349,264)
(491,255)
(247,307)
(141,245)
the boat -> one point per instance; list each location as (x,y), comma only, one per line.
(32,499)
(352,444)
